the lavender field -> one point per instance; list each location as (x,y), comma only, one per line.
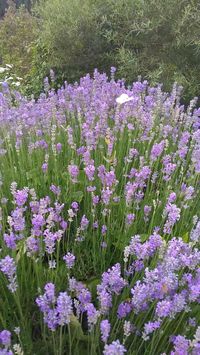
(99,220)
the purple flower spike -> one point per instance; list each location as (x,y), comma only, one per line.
(115,348)
(69,260)
(105,330)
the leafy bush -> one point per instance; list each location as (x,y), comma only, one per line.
(156,39)
(8,76)
(18,31)
(70,32)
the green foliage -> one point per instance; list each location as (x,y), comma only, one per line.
(39,68)
(17,33)
(71,33)
(7,75)
(156,39)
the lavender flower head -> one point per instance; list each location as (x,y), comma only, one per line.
(56,311)
(84,223)
(115,348)
(73,171)
(90,170)
(21,197)
(69,259)
(55,189)
(5,338)
(105,330)
(8,267)
(130,218)
(181,346)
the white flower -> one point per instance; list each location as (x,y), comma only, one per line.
(17,83)
(71,213)
(127,328)
(197,335)
(52,264)
(17,349)
(17,330)
(2,70)
(126,253)
(9,65)
(123,98)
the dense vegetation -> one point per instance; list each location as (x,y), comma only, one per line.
(157,39)
(4,4)
(99,177)
(100,223)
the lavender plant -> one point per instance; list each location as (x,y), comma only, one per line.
(99,220)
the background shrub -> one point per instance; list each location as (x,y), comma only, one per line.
(157,39)
(18,34)
(72,35)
